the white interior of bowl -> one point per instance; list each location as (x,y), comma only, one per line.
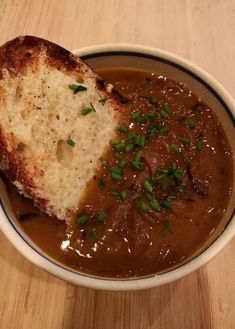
(105,56)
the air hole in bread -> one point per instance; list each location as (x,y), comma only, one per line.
(44,88)
(64,153)
(19,91)
(21,148)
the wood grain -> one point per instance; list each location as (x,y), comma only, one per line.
(200,30)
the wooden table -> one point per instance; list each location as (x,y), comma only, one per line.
(200,30)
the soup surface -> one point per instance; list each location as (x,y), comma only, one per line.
(160,192)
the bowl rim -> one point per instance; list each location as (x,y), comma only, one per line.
(11,232)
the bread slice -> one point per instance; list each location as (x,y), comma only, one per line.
(48,148)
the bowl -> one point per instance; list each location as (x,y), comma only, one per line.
(206,87)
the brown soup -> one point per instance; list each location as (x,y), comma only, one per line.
(160,193)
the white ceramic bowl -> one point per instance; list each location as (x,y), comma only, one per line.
(172,66)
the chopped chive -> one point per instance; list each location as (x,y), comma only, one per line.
(82,220)
(141,141)
(137,165)
(116,177)
(174,165)
(123,129)
(136,139)
(148,186)
(103,162)
(121,163)
(132,137)
(142,205)
(172,197)
(185,140)
(165,111)
(199,145)
(123,195)
(165,227)
(151,100)
(138,155)
(92,106)
(165,185)
(162,173)
(154,205)
(116,170)
(183,188)
(191,124)
(185,158)
(177,174)
(70,142)
(77,88)
(151,116)
(167,205)
(164,114)
(103,100)
(164,130)
(115,141)
(129,148)
(114,193)
(119,147)
(101,216)
(174,148)
(101,183)
(139,118)
(149,196)
(94,236)
(86,110)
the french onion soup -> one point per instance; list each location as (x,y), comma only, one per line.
(160,192)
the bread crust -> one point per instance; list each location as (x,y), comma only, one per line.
(15,56)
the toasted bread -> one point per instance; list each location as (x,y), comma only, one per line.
(48,148)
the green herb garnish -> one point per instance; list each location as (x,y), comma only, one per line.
(103,100)
(77,88)
(162,173)
(82,220)
(123,195)
(138,155)
(92,106)
(191,124)
(70,142)
(137,165)
(86,110)
(104,163)
(148,186)
(151,100)
(139,118)
(165,184)
(121,163)
(101,216)
(123,129)
(129,148)
(167,205)
(174,148)
(154,205)
(165,111)
(165,227)
(94,236)
(185,140)
(151,116)
(114,193)
(142,205)
(199,145)
(164,130)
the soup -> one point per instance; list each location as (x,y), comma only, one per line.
(159,194)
